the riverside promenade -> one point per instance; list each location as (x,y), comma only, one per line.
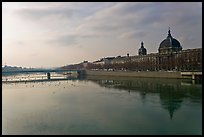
(149,74)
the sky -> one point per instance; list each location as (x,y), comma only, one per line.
(53,34)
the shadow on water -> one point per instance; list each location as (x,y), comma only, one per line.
(172,92)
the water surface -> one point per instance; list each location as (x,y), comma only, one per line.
(105,105)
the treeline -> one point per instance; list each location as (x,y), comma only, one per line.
(134,66)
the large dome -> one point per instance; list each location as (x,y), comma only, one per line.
(169,44)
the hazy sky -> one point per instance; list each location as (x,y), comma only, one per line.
(56,34)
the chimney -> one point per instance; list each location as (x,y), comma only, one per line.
(127,54)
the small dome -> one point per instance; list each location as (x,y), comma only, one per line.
(169,44)
(142,50)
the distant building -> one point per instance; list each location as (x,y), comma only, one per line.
(104,61)
(85,64)
(11,68)
(120,60)
(99,62)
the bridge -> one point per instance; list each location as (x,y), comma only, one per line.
(41,70)
(66,73)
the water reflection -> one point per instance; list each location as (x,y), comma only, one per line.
(172,92)
(102,105)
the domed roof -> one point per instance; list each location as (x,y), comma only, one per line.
(142,46)
(170,42)
(142,50)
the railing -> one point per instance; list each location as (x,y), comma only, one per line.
(43,70)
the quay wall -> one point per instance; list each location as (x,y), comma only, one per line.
(135,74)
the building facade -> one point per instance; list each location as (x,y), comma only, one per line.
(170,57)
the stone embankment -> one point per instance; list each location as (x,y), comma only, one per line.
(149,74)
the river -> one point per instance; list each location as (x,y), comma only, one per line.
(103,106)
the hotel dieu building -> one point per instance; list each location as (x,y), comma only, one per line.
(170,57)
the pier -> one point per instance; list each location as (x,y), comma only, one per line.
(192,75)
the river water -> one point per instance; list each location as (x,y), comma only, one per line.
(105,105)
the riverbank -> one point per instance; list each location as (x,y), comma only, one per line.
(147,74)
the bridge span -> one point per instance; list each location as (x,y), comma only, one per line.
(43,71)
(43,74)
